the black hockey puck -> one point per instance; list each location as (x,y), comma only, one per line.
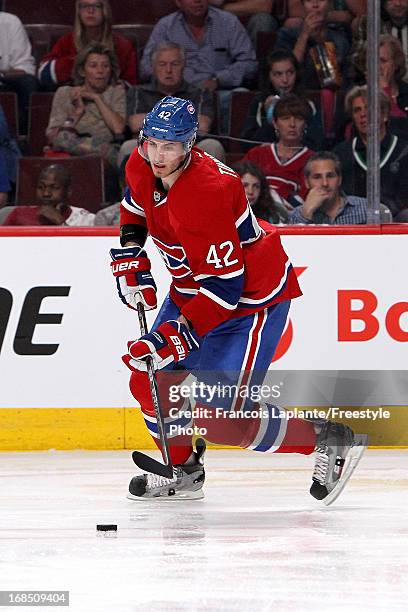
(106,528)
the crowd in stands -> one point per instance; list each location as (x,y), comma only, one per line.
(280,87)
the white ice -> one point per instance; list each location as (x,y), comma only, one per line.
(258,541)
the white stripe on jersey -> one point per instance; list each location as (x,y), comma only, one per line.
(133,207)
(273,293)
(217,299)
(228,275)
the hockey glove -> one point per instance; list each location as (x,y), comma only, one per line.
(131,268)
(171,342)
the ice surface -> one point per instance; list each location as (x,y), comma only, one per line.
(258,541)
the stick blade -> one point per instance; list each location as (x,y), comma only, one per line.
(148,464)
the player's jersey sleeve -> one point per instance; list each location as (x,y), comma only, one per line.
(131,208)
(207,229)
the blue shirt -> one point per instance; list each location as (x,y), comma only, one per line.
(354,212)
(225,52)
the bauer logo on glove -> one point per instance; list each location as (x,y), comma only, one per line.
(131,268)
(171,342)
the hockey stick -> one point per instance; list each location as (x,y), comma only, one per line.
(144,462)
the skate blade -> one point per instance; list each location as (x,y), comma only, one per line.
(182,496)
(352,460)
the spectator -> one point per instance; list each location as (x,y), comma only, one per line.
(342,14)
(168,62)
(283,79)
(392,71)
(393,155)
(319,48)
(53,191)
(394,15)
(90,116)
(326,202)
(258,193)
(258,11)
(93,23)
(9,154)
(283,161)
(219,53)
(17,66)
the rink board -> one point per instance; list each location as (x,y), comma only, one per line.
(63,330)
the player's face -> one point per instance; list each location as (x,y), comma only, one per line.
(164,156)
(323,175)
(290,129)
(91,13)
(252,187)
(193,8)
(97,72)
(168,69)
(283,76)
(397,9)
(50,190)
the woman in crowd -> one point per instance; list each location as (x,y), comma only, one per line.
(89,117)
(258,193)
(392,71)
(93,23)
(283,161)
(283,78)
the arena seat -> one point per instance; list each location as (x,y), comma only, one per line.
(87,188)
(38,117)
(240,102)
(58,11)
(8,101)
(4,213)
(141,11)
(137,33)
(280,10)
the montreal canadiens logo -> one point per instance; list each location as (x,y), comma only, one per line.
(191,109)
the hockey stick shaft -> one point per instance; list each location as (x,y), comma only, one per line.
(144,461)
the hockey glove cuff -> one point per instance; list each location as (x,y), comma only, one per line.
(171,342)
(131,268)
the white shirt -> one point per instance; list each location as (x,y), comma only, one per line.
(80,216)
(15,47)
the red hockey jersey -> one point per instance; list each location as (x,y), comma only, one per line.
(223,264)
(284,177)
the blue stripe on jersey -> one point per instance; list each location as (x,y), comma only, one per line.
(131,205)
(272,429)
(181,423)
(248,228)
(265,301)
(228,290)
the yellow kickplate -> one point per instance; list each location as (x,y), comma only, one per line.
(119,428)
(61,428)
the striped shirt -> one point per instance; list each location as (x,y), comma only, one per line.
(225,52)
(354,212)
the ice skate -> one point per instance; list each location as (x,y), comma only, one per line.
(187,482)
(338,451)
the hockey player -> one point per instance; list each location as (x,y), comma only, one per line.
(231,288)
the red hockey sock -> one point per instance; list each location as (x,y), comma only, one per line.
(180,446)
